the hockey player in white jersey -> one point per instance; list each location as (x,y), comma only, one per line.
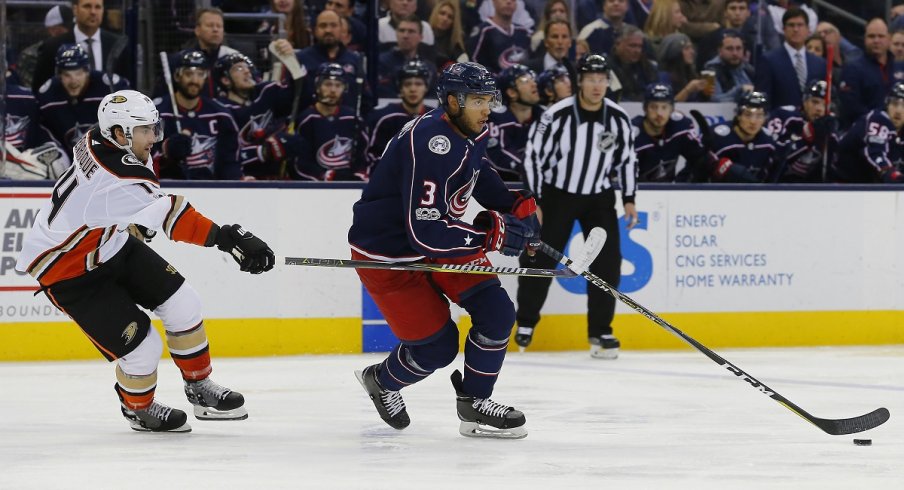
(85,252)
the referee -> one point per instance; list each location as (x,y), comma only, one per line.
(574,152)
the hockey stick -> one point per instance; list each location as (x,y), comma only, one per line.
(115,52)
(297,71)
(830,63)
(422,267)
(168,78)
(829,426)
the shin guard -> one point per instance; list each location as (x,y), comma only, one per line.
(407,364)
(493,316)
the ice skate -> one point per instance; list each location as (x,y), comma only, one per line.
(389,403)
(482,417)
(156,418)
(604,347)
(214,402)
(523,337)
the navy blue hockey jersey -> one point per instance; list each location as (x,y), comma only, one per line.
(413,205)
(657,156)
(382,125)
(69,119)
(262,115)
(314,56)
(868,150)
(508,142)
(214,146)
(801,154)
(497,49)
(333,146)
(23,129)
(758,155)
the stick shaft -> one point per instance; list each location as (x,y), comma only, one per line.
(422,267)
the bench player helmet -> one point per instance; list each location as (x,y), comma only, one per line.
(753,100)
(817,89)
(547,78)
(896,92)
(72,57)
(127,109)
(329,71)
(413,69)
(465,78)
(224,65)
(507,78)
(658,92)
(192,58)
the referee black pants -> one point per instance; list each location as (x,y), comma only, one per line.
(560,210)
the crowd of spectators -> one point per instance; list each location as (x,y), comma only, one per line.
(330,124)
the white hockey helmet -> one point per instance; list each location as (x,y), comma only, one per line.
(127,109)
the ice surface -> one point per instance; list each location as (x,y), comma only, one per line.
(648,420)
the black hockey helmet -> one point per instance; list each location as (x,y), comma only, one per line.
(593,63)
(753,100)
(329,71)
(465,78)
(413,69)
(191,58)
(72,57)
(224,65)
(658,92)
(896,92)
(547,78)
(816,88)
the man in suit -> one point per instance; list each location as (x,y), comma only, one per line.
(865,81)
(783,73)
(557,42)
(97,43)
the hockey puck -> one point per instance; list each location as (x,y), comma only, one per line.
(863,442)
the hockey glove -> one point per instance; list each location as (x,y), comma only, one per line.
(728,171)
(505,233)
(281,146)
(816,133)
(142,233)
(891,175)
(177,146)
(525,209)
(249,251)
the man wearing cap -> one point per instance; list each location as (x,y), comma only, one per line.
(96,42)
(58,21)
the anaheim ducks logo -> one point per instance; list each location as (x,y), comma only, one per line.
(118,99)
(335,153)
(130,332)
(458,201)
(512,56)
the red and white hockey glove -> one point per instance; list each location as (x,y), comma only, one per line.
(505,233)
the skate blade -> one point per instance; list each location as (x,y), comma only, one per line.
(138,428)
(207,413)
(473,429)
(360,376)
(604,353)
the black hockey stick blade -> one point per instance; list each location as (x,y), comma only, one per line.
(417,266)
(833,427)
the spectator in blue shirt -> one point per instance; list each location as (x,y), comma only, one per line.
(865,81)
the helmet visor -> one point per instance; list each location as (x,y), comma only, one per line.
(476,102)
(150,130)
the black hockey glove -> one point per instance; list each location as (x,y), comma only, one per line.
(249,251)
(142,233)
(177,146)
(282,146)
(505,233)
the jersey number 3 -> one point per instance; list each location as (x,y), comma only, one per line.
(429,193)
(61,192)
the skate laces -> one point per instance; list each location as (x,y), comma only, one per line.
(489,407)
(392,401)
(208,387)
(159,411)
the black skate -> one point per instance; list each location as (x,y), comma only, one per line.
(389,403)
(604,347)
(523,336)
(482,417)
(214,402)
(156,418)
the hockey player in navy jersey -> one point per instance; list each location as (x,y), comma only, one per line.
(806,136)
(333,139)
(202,142)
(260,110)
(85,252)
(411,210)
(663,135)
(509,125)
(30,152)
(553,85)
(873,149)
(68,101)
(744,152)
(384,123)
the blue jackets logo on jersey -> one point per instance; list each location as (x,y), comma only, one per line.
(512,56)
(202,150)
(439,144)
(458,202)
(16,129)
(336,152)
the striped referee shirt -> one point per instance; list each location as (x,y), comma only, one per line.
(577,155)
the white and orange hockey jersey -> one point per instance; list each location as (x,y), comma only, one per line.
(86,221)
